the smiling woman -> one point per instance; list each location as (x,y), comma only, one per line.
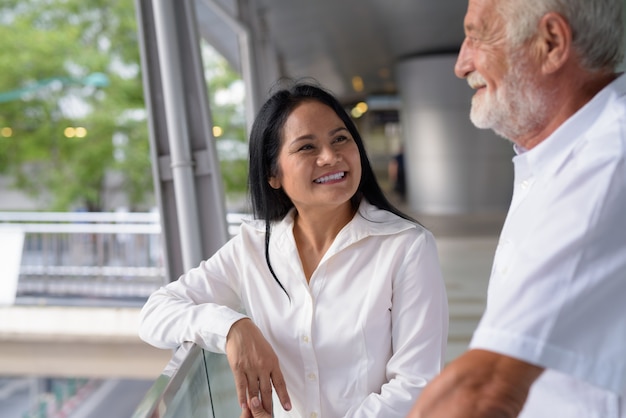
(331,303)
(318,165)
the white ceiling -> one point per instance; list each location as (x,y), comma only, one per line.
(336,40)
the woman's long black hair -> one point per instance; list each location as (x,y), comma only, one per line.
(271,204)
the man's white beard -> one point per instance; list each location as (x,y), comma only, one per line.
(516,108)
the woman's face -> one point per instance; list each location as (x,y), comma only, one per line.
(318,164)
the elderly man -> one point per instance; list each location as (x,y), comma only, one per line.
(552,340)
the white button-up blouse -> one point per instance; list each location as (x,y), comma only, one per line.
(360,339)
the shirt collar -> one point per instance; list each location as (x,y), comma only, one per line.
(368,220)
(374,221)
(553,151)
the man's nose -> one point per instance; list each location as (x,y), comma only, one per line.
(464,65)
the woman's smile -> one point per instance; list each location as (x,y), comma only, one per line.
(331,178)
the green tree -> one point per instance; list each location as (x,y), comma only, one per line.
(227,114)
(52,60)
(50,51)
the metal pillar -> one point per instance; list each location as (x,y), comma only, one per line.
(186,172)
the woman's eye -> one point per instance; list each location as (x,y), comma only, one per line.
(341,139)
(305,147)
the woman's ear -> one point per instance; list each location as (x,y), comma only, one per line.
(274,182)
(555,38)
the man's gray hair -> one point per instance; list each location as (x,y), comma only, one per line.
(597,26)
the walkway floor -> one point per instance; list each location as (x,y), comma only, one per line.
(466,263)
(466,245)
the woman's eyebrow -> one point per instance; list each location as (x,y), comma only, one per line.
(305,137)
(308,137)
(340,128)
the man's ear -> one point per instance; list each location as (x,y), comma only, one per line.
(555,42)
(274,182)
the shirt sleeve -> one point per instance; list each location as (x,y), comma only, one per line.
(556,293)
(200,306)
(419,332)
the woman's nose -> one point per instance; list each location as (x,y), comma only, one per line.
(328,156)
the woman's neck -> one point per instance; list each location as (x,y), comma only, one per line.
(315,230)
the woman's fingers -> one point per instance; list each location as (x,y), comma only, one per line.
(251,387)
(245,412)
(255,366)
(248,388)
(265,387)
(281,389)
(241,386)
(256,409)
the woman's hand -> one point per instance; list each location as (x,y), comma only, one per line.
(255,367)
(255,410)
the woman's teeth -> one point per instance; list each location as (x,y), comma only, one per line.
(331,177)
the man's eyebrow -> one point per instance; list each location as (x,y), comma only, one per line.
(471,27)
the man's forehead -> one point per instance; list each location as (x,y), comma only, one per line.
(482,17)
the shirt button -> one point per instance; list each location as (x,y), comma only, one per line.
(525,184)
(313,415)
(305,339)
(312,376)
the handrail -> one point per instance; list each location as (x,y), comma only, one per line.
(93,254)
(154,404)
(98,222)
(126,217)
(195,383)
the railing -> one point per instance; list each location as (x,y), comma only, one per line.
(119,255)
(195,383)
(88,254)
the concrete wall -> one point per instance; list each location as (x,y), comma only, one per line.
(452,167)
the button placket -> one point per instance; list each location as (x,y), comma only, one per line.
(312,390)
